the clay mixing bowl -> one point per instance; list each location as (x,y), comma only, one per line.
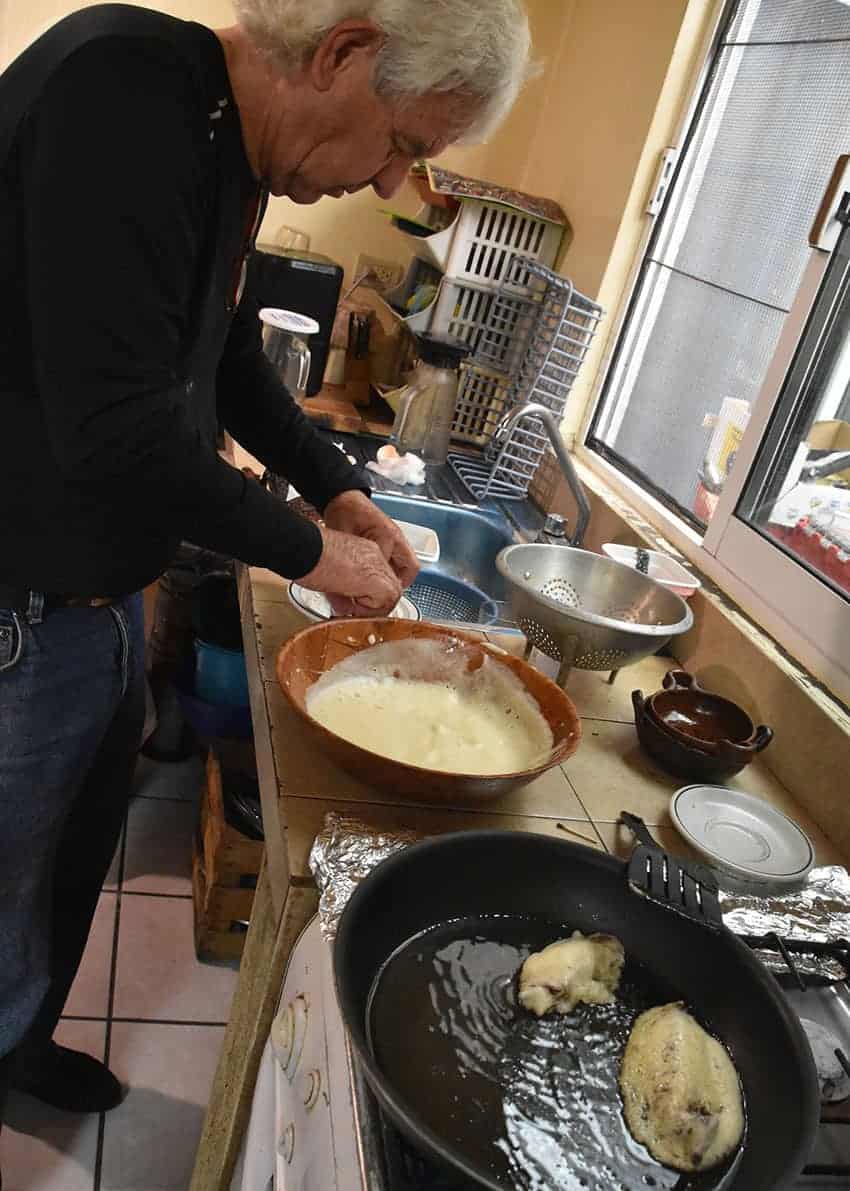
(308,655)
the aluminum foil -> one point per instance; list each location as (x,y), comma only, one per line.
(343,853)
(819,912)
(346,850)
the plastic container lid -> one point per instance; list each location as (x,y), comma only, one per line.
(288,320)
(443,351)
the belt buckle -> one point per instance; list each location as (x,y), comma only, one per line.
(88,602)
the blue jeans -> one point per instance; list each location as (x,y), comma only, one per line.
(71,715)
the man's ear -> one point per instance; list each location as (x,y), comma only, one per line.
(349,45)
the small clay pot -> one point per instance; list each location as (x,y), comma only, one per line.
(704,721)
(677,756)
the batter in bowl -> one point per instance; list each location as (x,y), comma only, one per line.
(454,721)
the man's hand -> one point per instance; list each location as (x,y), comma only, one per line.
(353,513)
(354,575)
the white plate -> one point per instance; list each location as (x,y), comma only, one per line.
(662,568)
(742,834)
(316,606)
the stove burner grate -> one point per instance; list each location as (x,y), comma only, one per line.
(831,1114)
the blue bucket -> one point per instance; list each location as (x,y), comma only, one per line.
(220,675)
(210,721)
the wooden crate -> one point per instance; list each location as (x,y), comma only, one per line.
(229,858)
(220,915)
(225,866)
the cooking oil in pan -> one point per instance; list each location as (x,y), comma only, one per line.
(532,1102)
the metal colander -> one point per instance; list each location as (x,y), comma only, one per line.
(444,598)
(587,611)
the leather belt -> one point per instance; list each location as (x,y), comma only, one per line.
(18,599)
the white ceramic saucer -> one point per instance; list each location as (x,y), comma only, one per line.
(742,834)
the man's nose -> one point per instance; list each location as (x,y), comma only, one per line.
(387,181)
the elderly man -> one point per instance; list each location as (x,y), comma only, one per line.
(136,156)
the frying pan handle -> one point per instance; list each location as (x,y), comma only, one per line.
(680,680)
(639,829)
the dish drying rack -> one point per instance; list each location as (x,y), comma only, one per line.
(534,340)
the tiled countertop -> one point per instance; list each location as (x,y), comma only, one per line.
(578,800)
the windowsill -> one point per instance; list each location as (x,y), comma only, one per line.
(751,598)
(733,656)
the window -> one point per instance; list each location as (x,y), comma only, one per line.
(727,399)
(728,252)
(798,493)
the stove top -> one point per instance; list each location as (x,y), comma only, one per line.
(393,1164)
(829,1166)
(409,1170)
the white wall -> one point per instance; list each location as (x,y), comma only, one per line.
(576,134)
(341,228)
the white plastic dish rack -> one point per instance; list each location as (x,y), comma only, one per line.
(496,332)
(480,241)
(467,311)
(549,339)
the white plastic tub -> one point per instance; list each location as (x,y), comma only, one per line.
(662,568)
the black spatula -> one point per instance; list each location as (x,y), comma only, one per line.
(684,886)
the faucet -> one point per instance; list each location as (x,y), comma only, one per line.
(553,531)
(534,409)
(827,466)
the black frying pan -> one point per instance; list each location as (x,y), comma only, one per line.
(476,903)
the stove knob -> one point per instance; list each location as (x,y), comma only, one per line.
(312,1089)
(283,1034)
(286,1145)
(299,1033)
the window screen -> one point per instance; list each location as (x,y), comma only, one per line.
(728,250)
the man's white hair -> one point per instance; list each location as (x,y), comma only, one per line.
(479,48)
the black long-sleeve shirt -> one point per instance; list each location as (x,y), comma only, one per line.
(125,207)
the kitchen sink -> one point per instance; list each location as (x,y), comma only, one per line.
(465,587)
(470,539)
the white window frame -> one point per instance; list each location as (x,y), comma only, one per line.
(804,615)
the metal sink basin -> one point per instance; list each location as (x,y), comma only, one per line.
(470,539)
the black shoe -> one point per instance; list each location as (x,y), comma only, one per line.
(69,1080)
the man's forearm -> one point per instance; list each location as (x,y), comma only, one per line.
(261,415)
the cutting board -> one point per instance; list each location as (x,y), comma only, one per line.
(329,408)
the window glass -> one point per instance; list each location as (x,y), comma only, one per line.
(728,251)
(798,492)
